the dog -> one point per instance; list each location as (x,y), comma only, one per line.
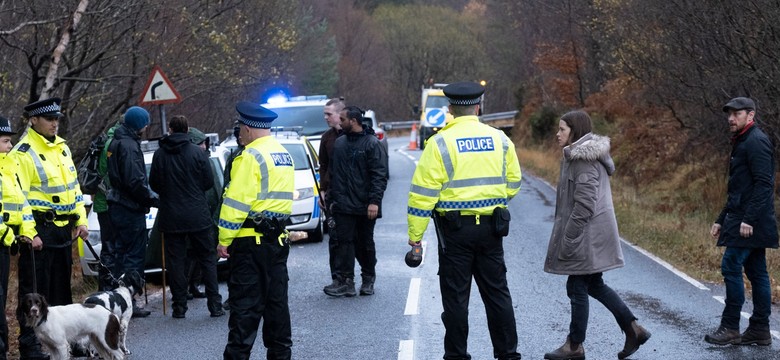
(58,326)
(120,302)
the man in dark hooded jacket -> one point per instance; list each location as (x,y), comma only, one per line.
(181,174)
(129,198)
(358,183)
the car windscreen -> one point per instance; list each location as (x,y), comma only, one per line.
(309,117)
(298,153)
(436,102)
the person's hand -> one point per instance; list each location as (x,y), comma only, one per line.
(321,200)
(715,230)
(37,243)
(222,251)
(373,211)
(745,230)
(413,243)
(81,231)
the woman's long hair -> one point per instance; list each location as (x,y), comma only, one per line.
(579,122)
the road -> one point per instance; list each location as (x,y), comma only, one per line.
(402,320)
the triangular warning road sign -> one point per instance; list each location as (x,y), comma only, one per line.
(159,90)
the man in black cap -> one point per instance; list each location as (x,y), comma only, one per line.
(48,176)
(747,226)
(257,204)
(464,179)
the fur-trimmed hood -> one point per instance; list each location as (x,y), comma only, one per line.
(591,147)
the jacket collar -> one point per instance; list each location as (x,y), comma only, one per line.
(38,138)
(461,119)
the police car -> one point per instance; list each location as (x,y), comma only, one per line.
(306,213)
(90,265)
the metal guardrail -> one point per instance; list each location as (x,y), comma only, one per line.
(487,118)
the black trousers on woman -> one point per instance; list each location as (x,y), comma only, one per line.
(579,287)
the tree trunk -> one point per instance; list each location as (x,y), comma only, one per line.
(51,76)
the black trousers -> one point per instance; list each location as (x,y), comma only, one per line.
(354,240)
(204,253)
(5,262)
(473,250)
(578,288)
(107,252)
(52,272)
(258,290)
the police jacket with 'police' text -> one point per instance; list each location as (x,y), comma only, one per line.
(48,176)
(262,184)
(468,167)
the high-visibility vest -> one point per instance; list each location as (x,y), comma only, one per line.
(5,231)
(468,167)
(262,183)
(48,176)
(14,202)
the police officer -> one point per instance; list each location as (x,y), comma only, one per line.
(48,176)
(465,176)
(17,215)
(257,203)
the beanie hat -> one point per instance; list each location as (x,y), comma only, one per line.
(136,118)
(196,136)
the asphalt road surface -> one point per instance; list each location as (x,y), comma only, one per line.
(402,320)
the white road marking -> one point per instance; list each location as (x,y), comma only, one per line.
(410,157)
(406,350)
(413,299)
(668,266)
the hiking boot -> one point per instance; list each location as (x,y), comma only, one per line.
(217,313)
(178,313)
(140,312)
(724,336)
(196,293)
(333,286)
(567,351)
(756,337)
(636,335)
(367,286)
(345,288)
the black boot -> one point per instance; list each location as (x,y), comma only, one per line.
(29,347)
(139,312)
(367,286)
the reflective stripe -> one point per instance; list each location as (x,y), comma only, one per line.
(270,214)
(505,143)
(513,184)
(472,204)
(445,159)
(493,180)
(263,194)
(44,188)
(12,206)
(417,189)
(229,225)
(58,208)
(277,195)
(418,212)
(235,204)
(27,218)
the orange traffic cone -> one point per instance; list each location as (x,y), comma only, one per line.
(413,138)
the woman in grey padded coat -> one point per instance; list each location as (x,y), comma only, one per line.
(585,241)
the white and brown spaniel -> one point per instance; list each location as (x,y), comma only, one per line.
(120,302)
(58,326)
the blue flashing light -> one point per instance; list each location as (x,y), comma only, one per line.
(277,99)
(276,95)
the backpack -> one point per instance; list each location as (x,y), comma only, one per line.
(90,179)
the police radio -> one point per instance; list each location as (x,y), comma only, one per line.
(414,257)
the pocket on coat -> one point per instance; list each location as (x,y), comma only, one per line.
(573,249)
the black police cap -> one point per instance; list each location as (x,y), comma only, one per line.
(254,115)
(739,103)
(47,108)
(5,127)
(464,93)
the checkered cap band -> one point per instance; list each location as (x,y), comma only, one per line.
(5,129)
(463,102)
(53,108)
(254,123)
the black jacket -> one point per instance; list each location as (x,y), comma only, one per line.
(127,172)
(750,193)
(326,152)
(358,173)
(181,174)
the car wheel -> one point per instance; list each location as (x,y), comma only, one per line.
(316,234)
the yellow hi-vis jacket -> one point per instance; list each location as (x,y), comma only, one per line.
(14,202)
(262,182)
(48,176)
(4,229)
(469,167)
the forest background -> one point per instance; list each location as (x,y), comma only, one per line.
(653,75)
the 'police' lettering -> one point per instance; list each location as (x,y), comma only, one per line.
(282,159)
(475,144)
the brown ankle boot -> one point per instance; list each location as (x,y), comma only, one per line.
(567,351)
(635,336)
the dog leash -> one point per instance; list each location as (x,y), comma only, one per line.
(100,263)
(34,273)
